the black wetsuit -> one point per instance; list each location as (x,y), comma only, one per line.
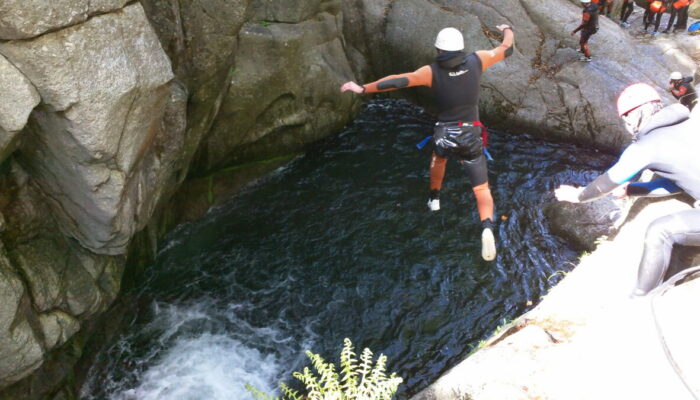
(456,77)
(668,146)
(590,27)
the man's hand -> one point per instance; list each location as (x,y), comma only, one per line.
(568,193)
(573,33)
(353,87)
(620,192)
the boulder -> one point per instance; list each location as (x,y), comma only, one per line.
(87,138)
(19,99)
(22,19)
(20,348)
(284,95)
(581,225)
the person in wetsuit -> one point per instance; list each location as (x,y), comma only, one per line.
(588,27)
(666,142)
(682,89)
(454,78)
(626,11)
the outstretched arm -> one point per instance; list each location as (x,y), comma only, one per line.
(631,162)
(505,49)
(420,77)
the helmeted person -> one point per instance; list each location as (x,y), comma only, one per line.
(682,89)
(454,78)
(666,140)
(588,27)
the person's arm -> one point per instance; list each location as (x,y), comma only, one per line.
(679,90)
(656,188)
(420,77)
(584,21)
(631,162)
(505,49)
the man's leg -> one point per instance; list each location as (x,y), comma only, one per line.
(671,19)
(679,228)
(478,177)
(437,174)
(657,21)
(585,35)
(647,17)
(682,23)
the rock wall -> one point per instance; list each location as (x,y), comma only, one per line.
(543,88)
(109,105)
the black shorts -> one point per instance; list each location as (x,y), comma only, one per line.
(458,141)
(476,170)
(586,34)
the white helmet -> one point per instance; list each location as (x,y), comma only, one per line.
(449,39)
(636,104)
(634,96)
(585,1)
(675,76)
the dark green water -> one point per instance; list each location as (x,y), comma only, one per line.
(338,244)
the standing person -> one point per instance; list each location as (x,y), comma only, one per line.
(454,78)
(588,27)
(607,8)
(682,23)
(682,89)
(626,11)
(655,11)
(666,142)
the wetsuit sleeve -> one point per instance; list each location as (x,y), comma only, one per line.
(491,57)
(420,77)
(632,161)
(656,188)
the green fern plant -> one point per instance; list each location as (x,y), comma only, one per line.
(357,380)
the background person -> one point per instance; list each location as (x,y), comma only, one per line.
(682,89)
(626,11)
(588,27)
(454,78)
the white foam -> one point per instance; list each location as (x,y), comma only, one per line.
(209,366)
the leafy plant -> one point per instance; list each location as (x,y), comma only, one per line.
(358,379)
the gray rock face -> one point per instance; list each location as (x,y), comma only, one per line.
(91,131)
(200,37)
(18,99)
(582,224)
(50,284)
(20,351)
(285,94)
(22,19)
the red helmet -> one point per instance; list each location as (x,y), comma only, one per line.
(634,96)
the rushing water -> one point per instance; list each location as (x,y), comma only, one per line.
(337,244)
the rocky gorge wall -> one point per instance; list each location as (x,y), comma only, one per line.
(115,113)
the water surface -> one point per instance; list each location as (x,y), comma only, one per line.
(340,243)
